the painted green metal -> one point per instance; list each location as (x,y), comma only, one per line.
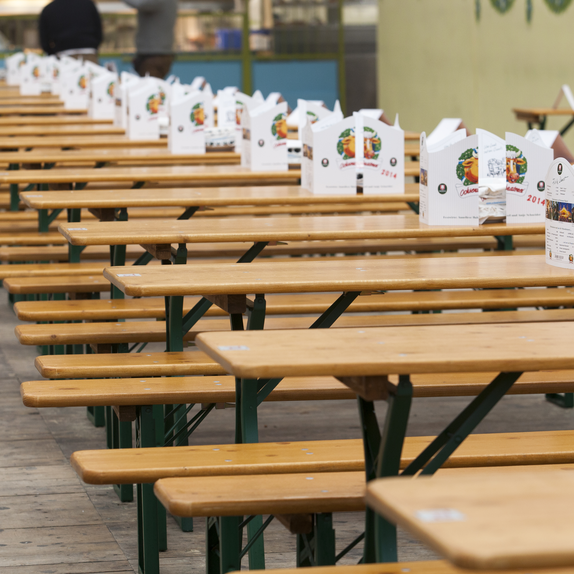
(434,455)
(229,543)
(45,218)
(74,251)
(414,205)
(504,242)
(335,310)
(564,401)
(14,197)
(246,64)
(317,548)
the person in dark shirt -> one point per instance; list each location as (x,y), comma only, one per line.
(71,28)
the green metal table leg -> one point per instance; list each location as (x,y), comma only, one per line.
(565,401)
(229,543)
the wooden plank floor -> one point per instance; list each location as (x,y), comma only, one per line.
(51,523)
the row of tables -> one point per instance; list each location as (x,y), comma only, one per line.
(354,356)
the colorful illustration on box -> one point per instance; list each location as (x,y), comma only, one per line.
(111,89)
(279,127)
(153,103)
(312,117)
(36,71)
(371,143)
(346,144)
(197,116)
(467,167)
(82,82)
(565,212)
(516,165)
(56,72)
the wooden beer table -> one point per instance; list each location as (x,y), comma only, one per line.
(537,117)
(363,359)
(49,120)
(61,130)
(104,204)
(514,519)
(38,110)
(47,100)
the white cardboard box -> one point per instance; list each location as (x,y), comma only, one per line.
(558,210)
(144,102)
(76,87)
(527,162)
(102,98)
(264,138)
(187,124)
(380,151)
(449,180)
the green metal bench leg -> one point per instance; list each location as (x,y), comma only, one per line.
(122,438)
(97,416)
(230,539)
(318,547)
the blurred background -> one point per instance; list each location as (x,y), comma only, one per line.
(423,59)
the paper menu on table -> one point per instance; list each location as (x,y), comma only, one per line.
(14,65)
(294,119)
(380,154)
(144,101)
(264,138)
(121,95)
(527,163)
(102,105)
(187,126)
(31,76)
(76,87)
(558,211)
(449,181)
(445,128)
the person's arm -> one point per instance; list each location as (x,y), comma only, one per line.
(145,5)
(44,34)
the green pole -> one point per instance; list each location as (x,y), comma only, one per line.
(246,52)
(341,60)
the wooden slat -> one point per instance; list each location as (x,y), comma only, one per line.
(263,494)
(155,331)
(151,464)
(392,350)
(504,521)
(338,275)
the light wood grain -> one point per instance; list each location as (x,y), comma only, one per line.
(50,120)
(24,101)
(208,197)
(543,111)
(338,275)
(419,567)
(522,520)
(38,110)
(127,365)
(155,331)
(392,350)
(278,304)
(61,130)
(150,464)
(30,142)
(263,494)
(197,173)
(172,390)
(278,229)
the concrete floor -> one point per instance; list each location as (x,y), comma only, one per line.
(52,523)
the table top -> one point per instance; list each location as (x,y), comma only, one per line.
(485,521)
(61,130)
(49,120)
(404,350)
(153,173)
(336,274)
(544,111)
(139,155)
(210,196)
(160,154)
(37,110)
(277,229)
(93,141)
(199,173)
(31,101)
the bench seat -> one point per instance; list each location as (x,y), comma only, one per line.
(155,331)
(146,465)
(20,279)
(298,303)
(170,390)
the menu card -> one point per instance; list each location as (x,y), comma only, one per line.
(264,137)
(187,124)
(558,207)
(102,104)
(144,101)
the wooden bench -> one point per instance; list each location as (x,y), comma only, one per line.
(304,303)
(108,333)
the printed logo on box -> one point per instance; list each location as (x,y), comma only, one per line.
(111,89)
(197,116)
(82,82)
(516,168)
(279,127)
(371,148)
(346,149)
(467,172)
(36,71)
(153,104)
